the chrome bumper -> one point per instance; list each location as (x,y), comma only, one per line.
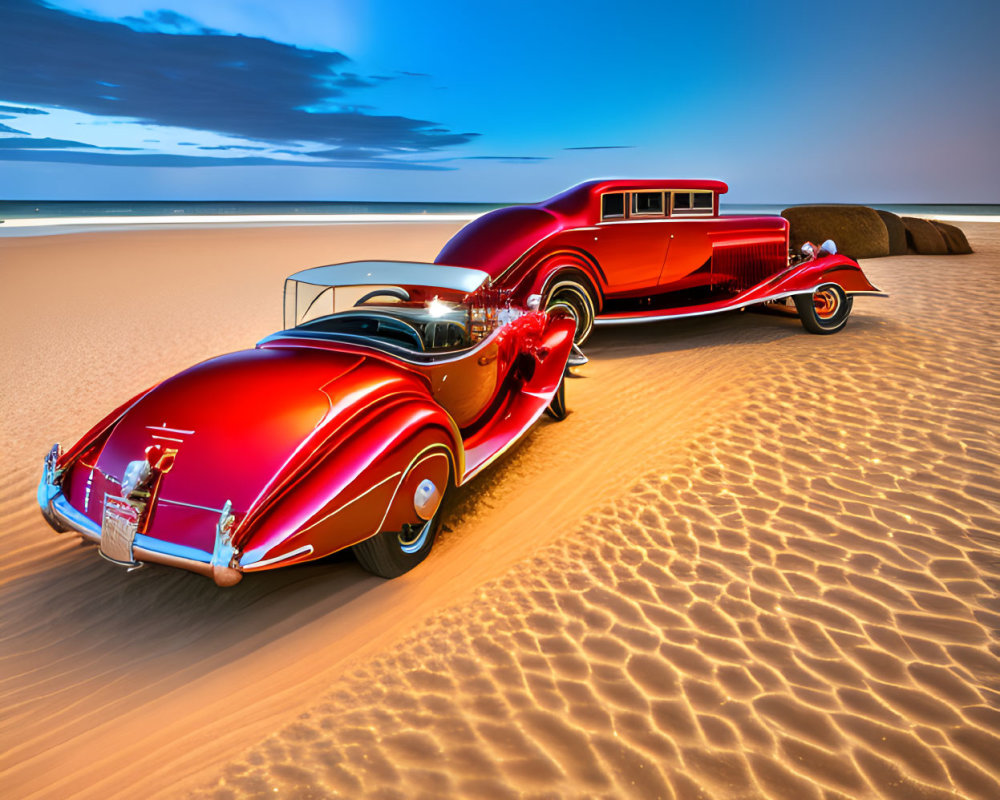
(63,517)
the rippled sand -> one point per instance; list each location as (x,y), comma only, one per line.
(805,605)
(752,563)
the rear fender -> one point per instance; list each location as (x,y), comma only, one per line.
(95,438)
(344,495)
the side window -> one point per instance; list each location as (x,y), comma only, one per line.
(613,206)
(647,203)
(693,204)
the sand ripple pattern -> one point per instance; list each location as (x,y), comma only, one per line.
(805,605)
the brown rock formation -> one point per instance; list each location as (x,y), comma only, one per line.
(897,232)
(953,237)
(923,238)
(858,231)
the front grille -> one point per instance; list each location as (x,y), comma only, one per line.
(746,265)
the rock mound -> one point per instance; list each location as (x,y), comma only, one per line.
(954,238)
(923,238)
(858,230)
(897,232)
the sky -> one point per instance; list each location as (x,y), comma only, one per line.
(851,101)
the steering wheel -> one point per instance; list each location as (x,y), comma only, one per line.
(388,291)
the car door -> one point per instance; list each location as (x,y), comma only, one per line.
(630,246)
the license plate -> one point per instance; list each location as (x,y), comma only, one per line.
(118,529)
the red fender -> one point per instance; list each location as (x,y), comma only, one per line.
(372,458)
(805,277)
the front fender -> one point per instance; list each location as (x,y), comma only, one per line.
(806,276)
(344,495)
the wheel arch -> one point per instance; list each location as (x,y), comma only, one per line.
(566,263)
(345,494)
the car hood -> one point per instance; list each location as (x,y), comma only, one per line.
(235,421)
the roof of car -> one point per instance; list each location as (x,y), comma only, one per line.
(626,185)
(394,273)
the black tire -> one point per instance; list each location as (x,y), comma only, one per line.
(391,553)
(825,310)
(577,298)
(557,408)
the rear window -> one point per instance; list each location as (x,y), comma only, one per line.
(613,206)
(689,204)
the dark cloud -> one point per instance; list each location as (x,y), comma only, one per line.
(604,147)
(414,74)
(236,85)
(166,21)
(8,129)
(112,159)
(351,80)
(19,109)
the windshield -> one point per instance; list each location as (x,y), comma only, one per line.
(383,315)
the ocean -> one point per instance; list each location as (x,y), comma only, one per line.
(39,217)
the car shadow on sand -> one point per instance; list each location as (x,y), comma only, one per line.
(88,614)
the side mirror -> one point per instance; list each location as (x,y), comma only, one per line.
(534,302)
(809,249)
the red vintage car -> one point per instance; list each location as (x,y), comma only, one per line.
(391,382)
(621,251)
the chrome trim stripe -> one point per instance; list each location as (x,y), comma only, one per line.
(163,500)
(342,507)
(625,320)
(306,549)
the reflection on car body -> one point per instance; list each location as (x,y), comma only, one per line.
(624,251)
(390,382)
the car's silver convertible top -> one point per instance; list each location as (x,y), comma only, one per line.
(321,291)
(393,273)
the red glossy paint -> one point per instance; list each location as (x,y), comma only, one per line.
(317,444)
(642,265)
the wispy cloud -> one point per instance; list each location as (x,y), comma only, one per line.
(8,129)
(165,69)
(40,144)
(507,159)
(20,110)
(603,147)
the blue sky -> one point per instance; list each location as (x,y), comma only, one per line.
(378,100)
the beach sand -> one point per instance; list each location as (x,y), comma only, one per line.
(750,563)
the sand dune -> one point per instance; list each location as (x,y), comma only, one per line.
(751,563)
